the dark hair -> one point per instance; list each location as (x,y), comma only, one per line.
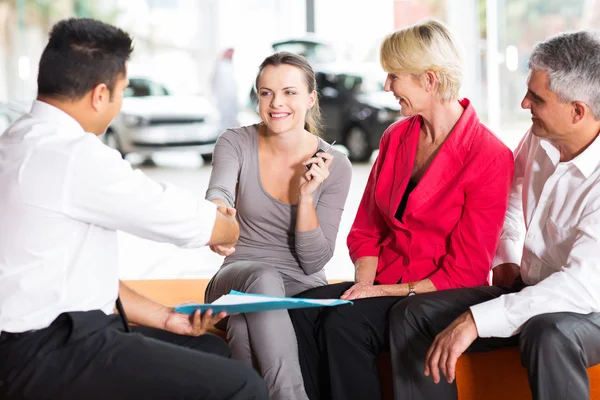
(81,54)
(313,122)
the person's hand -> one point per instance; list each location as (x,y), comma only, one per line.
(505,274)
(448,346)
(225,249)
(316,174)
(195,324)
(362,290)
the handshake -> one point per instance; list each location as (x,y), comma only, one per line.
(228,212)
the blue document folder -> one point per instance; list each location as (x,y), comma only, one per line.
(237,302)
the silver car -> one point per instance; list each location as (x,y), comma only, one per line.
(153,120)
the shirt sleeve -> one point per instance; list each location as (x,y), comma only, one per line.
(227,162)
(102,189)
(572,289)
(510,246)
(315,248)
(369,228)
(474,239)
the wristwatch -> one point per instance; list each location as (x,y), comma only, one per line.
(411,289)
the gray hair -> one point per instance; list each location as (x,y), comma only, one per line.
(572,61)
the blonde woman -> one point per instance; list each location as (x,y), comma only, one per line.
(429,220)
(289,203)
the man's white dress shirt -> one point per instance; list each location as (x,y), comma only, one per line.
(63,196)
(554,209)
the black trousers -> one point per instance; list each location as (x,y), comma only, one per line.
(338,346)
(88,355)
(556,348)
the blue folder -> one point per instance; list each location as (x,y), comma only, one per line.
(277,303)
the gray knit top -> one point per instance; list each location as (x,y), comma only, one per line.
(268,226)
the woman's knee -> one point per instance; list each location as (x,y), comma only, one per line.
(264,279)
(246,277)
(340,318)
(407,310)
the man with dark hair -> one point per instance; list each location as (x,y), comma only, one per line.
(63,196)
(546,297)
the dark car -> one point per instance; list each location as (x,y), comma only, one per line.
(356,111)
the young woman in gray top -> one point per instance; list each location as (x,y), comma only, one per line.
(289,204)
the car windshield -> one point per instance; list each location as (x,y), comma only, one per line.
(139,87)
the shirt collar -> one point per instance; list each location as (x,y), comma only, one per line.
(586,162)
(45,111)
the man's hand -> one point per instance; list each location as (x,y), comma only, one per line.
(362,290)
(225,249)
(448,346)
(195,324)
(505,274)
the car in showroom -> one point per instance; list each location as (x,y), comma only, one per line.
(152,119)
(355,109)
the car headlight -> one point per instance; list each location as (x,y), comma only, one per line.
(134,120)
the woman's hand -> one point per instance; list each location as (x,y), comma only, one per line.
(225,249)
(362,290)
(195,324)
(316,174)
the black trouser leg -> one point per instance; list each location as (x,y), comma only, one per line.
(556,349)
(306,326)
(88,356)
(354,336)
(414,324)
(208,342)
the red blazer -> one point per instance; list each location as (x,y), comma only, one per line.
(453,217)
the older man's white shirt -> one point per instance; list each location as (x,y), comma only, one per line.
(554,209)
(63,196)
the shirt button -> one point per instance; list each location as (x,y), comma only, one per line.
(406,261)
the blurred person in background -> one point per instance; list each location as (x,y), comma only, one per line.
(63,196)
(289,188)
(429,220)
(225,90)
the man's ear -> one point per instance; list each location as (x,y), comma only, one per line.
(579,111)
(100,97)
